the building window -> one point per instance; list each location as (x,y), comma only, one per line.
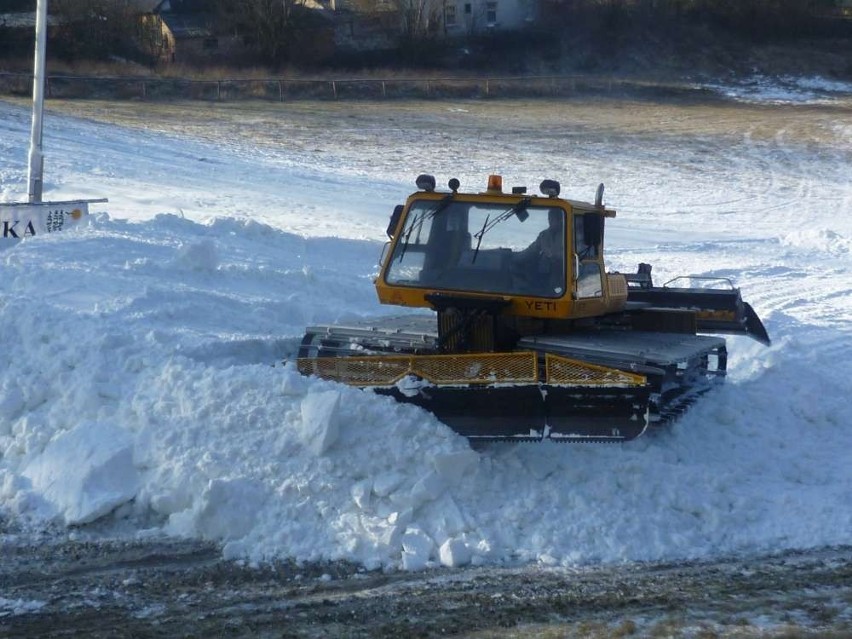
(467,8)
(491,12)
(450,15)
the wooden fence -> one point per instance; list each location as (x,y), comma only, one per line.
(275,89)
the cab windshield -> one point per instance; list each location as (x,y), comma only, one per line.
(484,248)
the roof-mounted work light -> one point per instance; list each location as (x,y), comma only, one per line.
(550,188)
(425,182)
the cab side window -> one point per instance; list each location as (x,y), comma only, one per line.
(582,235)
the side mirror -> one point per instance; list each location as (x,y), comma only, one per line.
(394,219)
(383,255)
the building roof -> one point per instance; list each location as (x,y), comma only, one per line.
(183,6)
(23,20)
(186,18)
(188,25)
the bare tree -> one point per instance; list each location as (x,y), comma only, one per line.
(268,24)
(95,29)
(17,5)
(415,17)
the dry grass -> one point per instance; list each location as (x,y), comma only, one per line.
(82,68)
(214,73)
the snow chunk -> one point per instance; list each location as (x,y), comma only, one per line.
(361,492)
(454,552)
(429,487)
(387,482)
(229,508)
(198,256)
(320,424)
(823,240)
(86,472)
(12,403)
(417,548)
(453,466)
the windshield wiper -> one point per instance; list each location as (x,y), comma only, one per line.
(478,237)
(444,203)
(407,238)
(519,209)
(417,221)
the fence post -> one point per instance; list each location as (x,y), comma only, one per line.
(280,91)
(144,90)
(487,88)
(334,89)
(384,90)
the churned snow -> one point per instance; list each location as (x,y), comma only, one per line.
(143,383)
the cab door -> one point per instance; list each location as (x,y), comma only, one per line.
(589,282)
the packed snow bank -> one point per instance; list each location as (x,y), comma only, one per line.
(141,380)
(142,385)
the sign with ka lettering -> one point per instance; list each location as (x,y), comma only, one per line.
(18,221)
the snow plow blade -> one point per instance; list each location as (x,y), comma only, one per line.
(716,310)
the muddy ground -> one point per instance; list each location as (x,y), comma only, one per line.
(168,588)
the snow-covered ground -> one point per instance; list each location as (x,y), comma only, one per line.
(140,378)
(759,89)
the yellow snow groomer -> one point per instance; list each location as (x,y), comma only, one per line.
(529,337)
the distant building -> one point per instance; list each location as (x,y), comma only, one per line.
(448,17)
(17,31)
(182,31)
(471,17)
(186,31)
(376,25)
(23,20)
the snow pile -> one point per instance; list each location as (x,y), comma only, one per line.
(142,387)
(19,606)
(785,90)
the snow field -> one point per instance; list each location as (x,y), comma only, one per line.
(142,389)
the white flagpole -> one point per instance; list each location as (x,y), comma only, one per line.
(36,156)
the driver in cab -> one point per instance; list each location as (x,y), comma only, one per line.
(549,245)
(544,257)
